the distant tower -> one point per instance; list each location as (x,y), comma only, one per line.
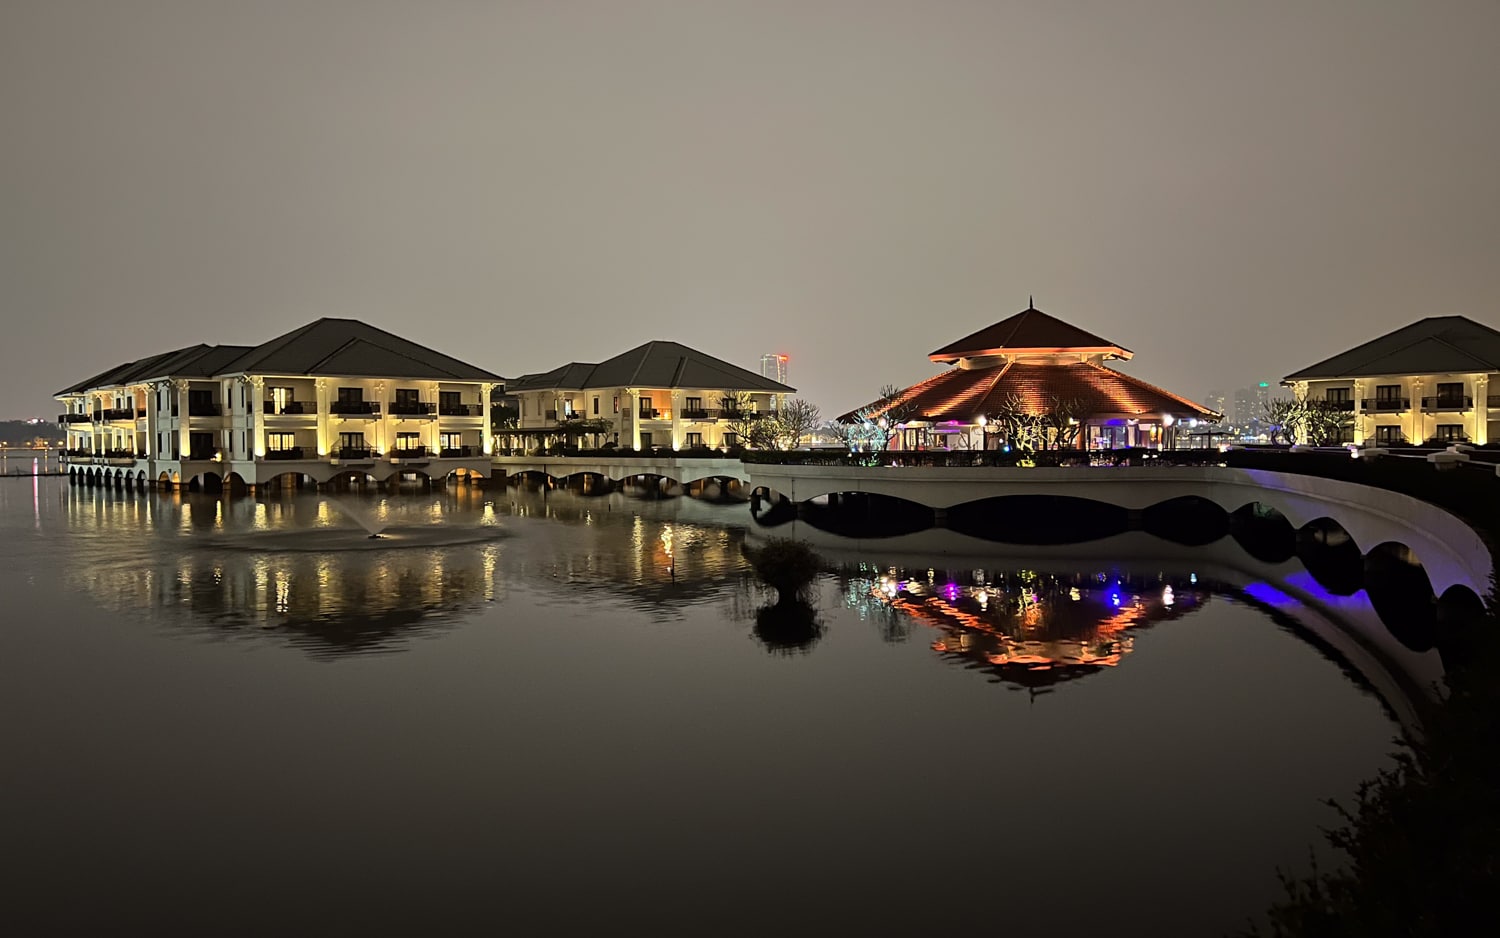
(773,366)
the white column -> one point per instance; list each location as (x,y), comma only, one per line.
(1481,432)
(325,446)
(257,417)
(1359,413)
(676,420)
(180,388)
(487,434)
(1418,419)
(633,401)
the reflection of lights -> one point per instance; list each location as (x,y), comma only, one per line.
(1114,599)
(1074,595)
(1166,596)
(1192,578)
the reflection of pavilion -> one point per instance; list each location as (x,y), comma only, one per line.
(1027,628)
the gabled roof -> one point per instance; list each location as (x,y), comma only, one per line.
(1435,345)
(964,394)
(350,348)
(194,361)
(1030,330)
(657,364)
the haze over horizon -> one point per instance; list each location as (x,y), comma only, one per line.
(1232,191)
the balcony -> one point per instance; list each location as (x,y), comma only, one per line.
(78,455)
(458,452)
(695,414)
(72,418)
(290,408)
(290,452)
(202,455)
(355,408)
(732,414)
(409,452)
(117,413)
(1338,403)
(412,409)
(650,413)
(461,410)
(205,410)
(1385,405)
(355,453)
(1450,403)
(550,415)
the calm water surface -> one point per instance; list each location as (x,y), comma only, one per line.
(244,717)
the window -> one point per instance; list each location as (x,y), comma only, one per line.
(1387,392)
(1449,432)
(201,445)
(280,399)
(279,442)
(596,406)
(1389,435)
(646,410)
(449,400)
(645,441)
(450,440)
(408,442)
(1450,394)
(1336,394)
(694,439)
(351,396)
(731,439)
(694,403)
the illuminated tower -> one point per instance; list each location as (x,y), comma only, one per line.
(773,366)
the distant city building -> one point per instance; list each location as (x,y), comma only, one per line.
(1216,401)
(657,394)
(773,366)
(333,397)
(1426,382)
(1035,362)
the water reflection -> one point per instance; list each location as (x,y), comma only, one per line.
(1024,628)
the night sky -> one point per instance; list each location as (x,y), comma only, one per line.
(1233,190)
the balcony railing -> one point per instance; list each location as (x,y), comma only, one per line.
(650,413)
(696,413)
(728,413)
(117,413)
(202,455)
(72,418)
(412,409)
(458,452)
(1338,403)
(355,453)
(290,452)
(409,452)
(78,455)
(1447,402)
(1386,404)
(355,408)
(205,410)
(288,408)
(461,410)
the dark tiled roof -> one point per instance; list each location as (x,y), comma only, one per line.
(965,394)
(1435,345)
(1030,329)
(350,348)
(656,364)
(195,361)
(571,376)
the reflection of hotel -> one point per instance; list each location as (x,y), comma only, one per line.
(1033,362)
(657,394)
(334,396)
(1027,628)
(1428,381)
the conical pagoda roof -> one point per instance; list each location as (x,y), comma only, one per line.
(1030,331)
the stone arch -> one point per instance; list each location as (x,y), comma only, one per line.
(235,484)
(866,514)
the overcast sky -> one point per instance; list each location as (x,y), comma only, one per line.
(1231,189)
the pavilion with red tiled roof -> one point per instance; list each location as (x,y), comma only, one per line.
(1036,364)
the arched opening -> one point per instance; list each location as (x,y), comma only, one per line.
(235,484)
(651,486)
(285,483)
(718,489)
(1190,520)
(1263,532)
(164,481)
(1401,594)
(864,514)
(1460,617)
(212,484)
(770,508)
(1331,556)
(1039,519)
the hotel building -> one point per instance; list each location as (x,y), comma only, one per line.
(335,398)
(1426,382)
(657,394)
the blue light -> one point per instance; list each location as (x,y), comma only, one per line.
(1114,598)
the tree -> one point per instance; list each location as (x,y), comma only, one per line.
(1060,423)
(740,419)
(1284,419)
(874,425)
(796,419)
(1327,424)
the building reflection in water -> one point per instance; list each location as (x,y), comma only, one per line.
(1025,628)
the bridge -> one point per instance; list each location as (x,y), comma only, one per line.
(683,470)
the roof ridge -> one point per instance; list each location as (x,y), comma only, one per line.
(1157,388)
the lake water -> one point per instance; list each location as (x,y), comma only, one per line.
(242,716)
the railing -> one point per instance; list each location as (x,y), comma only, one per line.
(1386,404)
(286,452)
(1338,403)
(649,413)
(355,452)
(697,413)
(205,410)
(290,407)
(202,455)
(117,413)
(1446,402)
(355,408)
(140,413)
(412,408)
(729,414)
(457,452)
(461,410)
(409,452)
(73,418)
(78,455)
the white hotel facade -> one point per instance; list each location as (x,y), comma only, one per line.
(335,398)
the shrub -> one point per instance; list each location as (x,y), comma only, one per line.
(787,566)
